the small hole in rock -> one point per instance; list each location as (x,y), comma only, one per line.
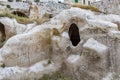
(18,13)
(2,34)
(74,34)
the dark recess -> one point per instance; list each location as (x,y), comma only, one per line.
(18,13)
(74,34)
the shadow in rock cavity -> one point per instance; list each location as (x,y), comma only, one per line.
(74,34)
(2,35)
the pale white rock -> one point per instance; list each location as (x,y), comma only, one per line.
(36,43)
(103,24)
(109,76)
(73,62)
(65,34)
(111,17)
(114,33)
(94,45)
(73,59)
(39,68)
(84,14)
(67,15)
(8,71)
(43,67)
(12,27)
(30,26)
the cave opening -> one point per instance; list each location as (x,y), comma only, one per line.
(18,13)
(74,34)
(2,34)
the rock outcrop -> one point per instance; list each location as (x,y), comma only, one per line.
(33,11)
(12,27)
(92,58)
(108,6)
(50,7)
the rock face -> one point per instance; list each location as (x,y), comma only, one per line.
(33,10)
(44,7)
(108,6)
(94,55)
(51,8)
(11,27)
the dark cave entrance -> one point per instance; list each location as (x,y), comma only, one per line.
(74,34)
(18,13)
(2,33)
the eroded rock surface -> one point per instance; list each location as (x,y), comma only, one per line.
(12,27)
(94,56)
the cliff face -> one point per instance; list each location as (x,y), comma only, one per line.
(76,41)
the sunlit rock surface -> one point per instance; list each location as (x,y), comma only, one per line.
(50,7)
(95,55)
(108,6)
(33,10)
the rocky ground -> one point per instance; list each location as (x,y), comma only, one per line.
(108,6)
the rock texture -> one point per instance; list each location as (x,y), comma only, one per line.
(93,58)
(108,6)
(52,8)
(12,27)
(44,7)
(33,10)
